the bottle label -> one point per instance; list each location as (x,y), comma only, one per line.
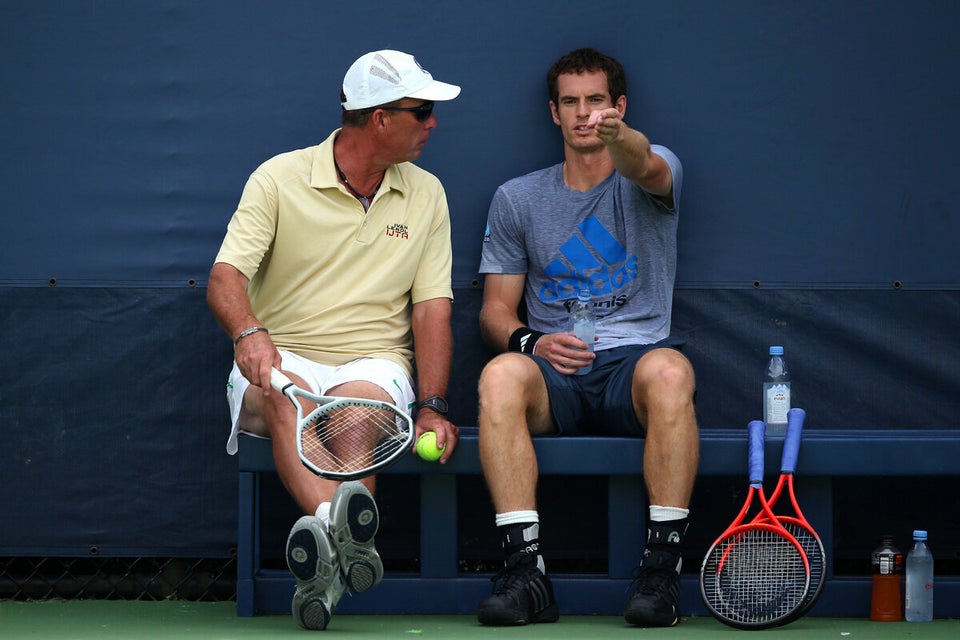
(886,564)
(776,403)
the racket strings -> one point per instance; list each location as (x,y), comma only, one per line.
(754,577)
(813,548)
(347,437)
(808,539)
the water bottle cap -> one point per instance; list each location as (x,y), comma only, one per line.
(776,351)
(584,294)
(919,534)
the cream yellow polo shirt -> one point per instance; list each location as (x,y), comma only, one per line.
(331,282)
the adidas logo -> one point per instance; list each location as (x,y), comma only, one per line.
(538,593)
(592,257)
(523,342)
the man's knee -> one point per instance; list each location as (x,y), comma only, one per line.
(504,372)
(511,382)
(665,372)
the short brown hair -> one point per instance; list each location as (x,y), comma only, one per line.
(587,60)
(356,118)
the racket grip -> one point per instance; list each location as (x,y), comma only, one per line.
(791,441)
(756,431)
(279,381)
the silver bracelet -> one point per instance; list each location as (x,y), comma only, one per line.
(247,332)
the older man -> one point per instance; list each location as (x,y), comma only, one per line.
(336,269)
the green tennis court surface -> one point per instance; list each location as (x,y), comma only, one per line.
(107,620)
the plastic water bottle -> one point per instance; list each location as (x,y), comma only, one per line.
(919,604)
(776,393)
(886,601)
(584,324)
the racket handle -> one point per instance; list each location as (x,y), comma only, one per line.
(791,441)
(279,381)
(756,431)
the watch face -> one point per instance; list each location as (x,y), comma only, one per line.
(436,403)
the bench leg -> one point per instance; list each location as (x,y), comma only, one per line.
(248,543)
(626,506)
(438,526)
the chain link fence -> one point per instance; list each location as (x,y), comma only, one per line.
(46,578)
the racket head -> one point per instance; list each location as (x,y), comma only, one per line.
(754,577)
(816,558)
(351,438)
(346,438)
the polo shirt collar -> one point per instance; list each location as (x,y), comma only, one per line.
(323,173)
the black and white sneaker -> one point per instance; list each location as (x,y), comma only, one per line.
(313,562)
(521,595)
(354,521)
(656,602)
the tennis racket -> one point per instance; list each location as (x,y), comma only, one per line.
(797,524)
(346,438)
(755,575)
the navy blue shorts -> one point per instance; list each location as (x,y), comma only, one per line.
(599,402)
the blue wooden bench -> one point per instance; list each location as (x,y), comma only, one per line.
(440,587)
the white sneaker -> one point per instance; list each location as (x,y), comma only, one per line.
(313,561)
(354,521)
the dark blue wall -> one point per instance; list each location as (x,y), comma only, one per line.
(820,210)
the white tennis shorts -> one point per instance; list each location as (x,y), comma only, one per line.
(386,374)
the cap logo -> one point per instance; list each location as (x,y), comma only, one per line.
(390,74)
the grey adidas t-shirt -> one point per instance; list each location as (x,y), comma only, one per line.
(616,239)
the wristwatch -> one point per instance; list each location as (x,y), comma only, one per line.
(434,403)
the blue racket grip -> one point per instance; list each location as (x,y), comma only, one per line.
(756,432)
(791,441)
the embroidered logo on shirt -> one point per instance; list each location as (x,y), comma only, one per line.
(398,231)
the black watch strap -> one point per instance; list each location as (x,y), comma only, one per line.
(434,403)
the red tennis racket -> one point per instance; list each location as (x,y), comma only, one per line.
(797,523)
(755,575)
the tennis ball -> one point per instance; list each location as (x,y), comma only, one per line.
(427,447)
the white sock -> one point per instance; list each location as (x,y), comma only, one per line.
(664,514)
(517,517)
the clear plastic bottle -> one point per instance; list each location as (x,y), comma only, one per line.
(886,601)
(776,393)
(919,605)
(584,324)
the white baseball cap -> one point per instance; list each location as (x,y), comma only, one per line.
(380,77)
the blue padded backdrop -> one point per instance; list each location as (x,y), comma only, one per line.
(819,211)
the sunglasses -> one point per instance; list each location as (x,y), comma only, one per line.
(421,113)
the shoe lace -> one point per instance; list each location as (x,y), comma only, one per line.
(652,580)
(510,579)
